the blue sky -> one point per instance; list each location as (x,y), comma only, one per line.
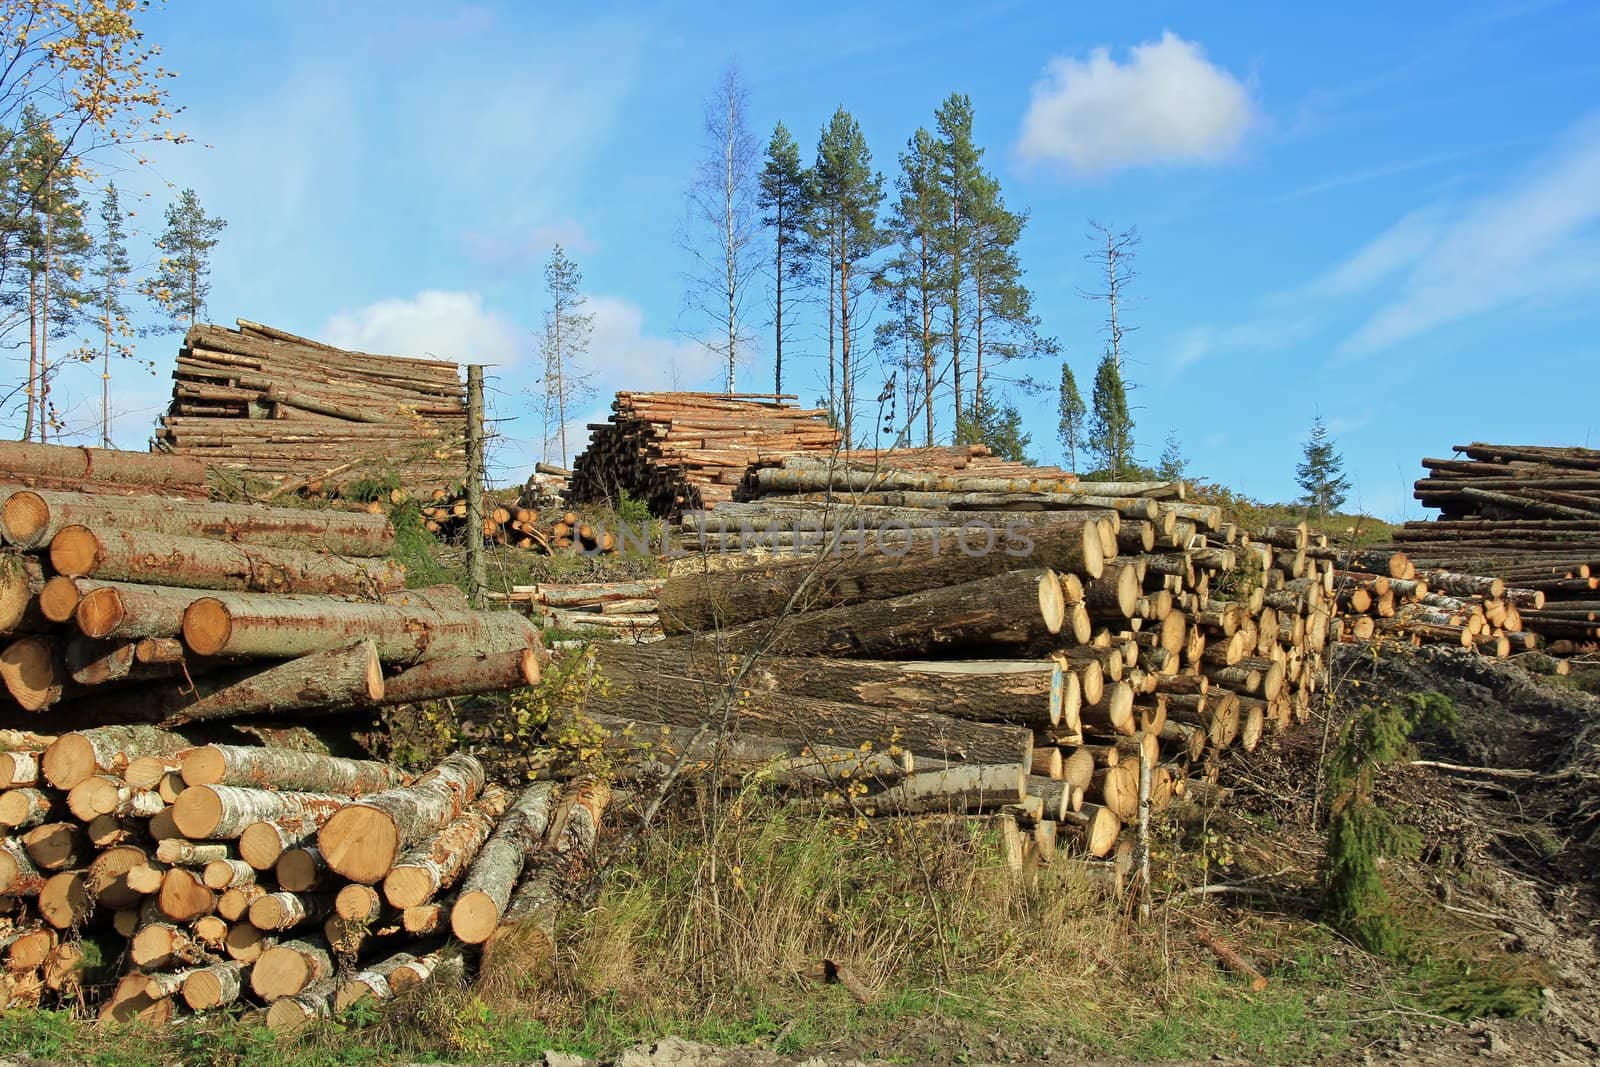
(1388,214)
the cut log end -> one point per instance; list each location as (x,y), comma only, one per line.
(360,843)
(406,887)
(100,612)
(24,518)
(197,812)
(207,626)
(75,551)
(59,599)
(474,917)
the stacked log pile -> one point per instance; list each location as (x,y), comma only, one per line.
(1527,515)
(1018,643)
(136,628)
(216,875)
(678,451)
(300,414)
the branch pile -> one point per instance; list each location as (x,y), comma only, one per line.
(907,641)
(301,414)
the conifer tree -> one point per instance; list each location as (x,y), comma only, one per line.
(999,426)
(1173,462)
(182,281)
(782,198)
(1110,424)
(111,274)
(847,194)
(1321,472)
(914,276)
(959,173)
(567,327)
(1071,411)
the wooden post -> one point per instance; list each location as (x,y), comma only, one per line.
(1141,841)
(477,573)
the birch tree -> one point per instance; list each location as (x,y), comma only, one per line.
(562,346)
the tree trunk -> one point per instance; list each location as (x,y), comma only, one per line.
(301,869)
(215,986)
(488,885)
(22,582)
(328,682)
(435,862)
(459,676)
(121,611)
(969,787)
(262,844)
(55,463)
(705,601)
(371,982)
(255,624)
(1002,691)
(363,840)
(280,768)
(194,562)
(31,518)
(283,910)
(290,1014)
(221,812)
(649,695)
(998,611)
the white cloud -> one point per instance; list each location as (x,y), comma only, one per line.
(1267,335)
(1167,104)
(1535,241)
(434,324)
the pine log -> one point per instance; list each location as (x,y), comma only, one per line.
(223,811)
(100,465)
(704,602)
(257,624)
(1002,610)
(278,768)
(30,518)
(1006,691)
(494,873)
(328,681)
(362,840)
(131,612)
(459,676)
(22,586)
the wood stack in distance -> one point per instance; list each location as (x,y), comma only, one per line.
(519,526)
(1528,515)
(905,675)
(300,414)
(205,887)
(677,451)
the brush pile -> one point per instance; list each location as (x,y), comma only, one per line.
(678,451)
(144,636)
(297,414)
(1529,516)
(991,642)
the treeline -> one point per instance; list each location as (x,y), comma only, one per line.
(76,287)
(915,285)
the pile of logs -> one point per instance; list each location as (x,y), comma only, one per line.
(299,414)
(677,451)
(1529,516)
(137,627)
(518,527)
(212,875)
(1012,642)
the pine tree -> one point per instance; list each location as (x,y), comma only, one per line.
(846,196)
(959,174)
(1173,462)
(1321,472)
(913,276)
(999,426)
(567,327)
(1004,326)
(782,198)
(53,244)
(111,274)
(1071,411)
(1110,424)
(182,281)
